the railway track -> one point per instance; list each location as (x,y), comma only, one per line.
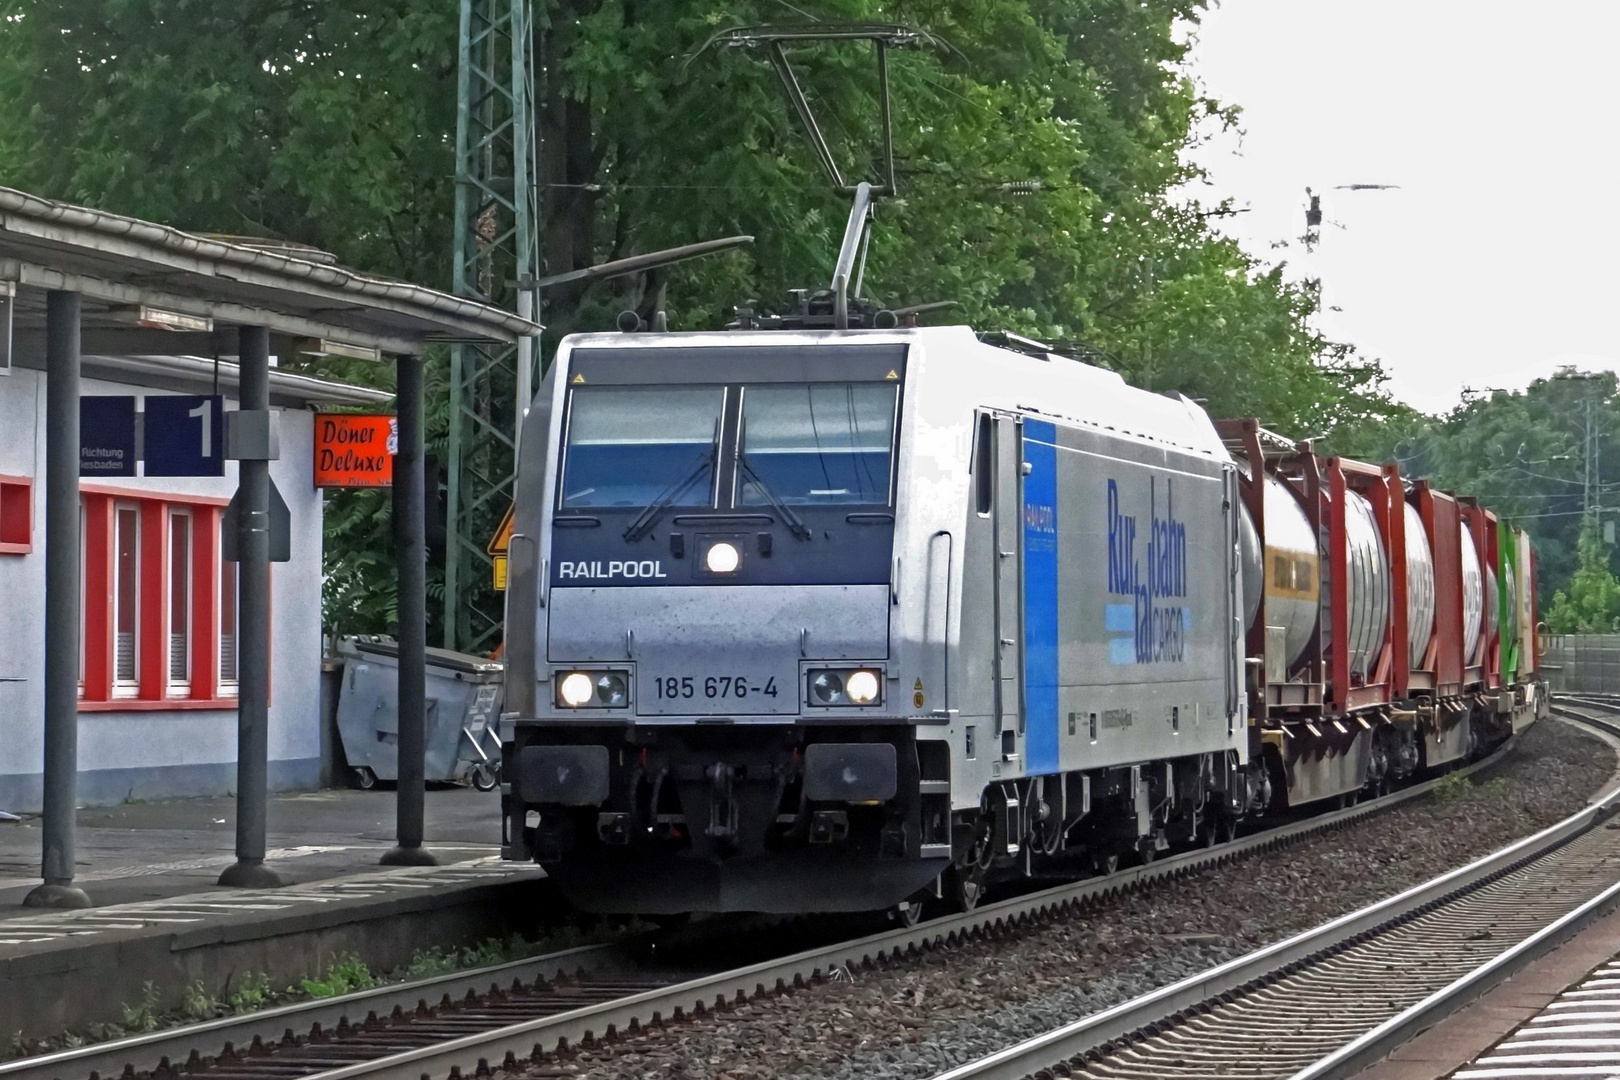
(1598,710)
(1328,1002)
(471,1021)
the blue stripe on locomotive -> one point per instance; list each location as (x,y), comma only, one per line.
(1040,598)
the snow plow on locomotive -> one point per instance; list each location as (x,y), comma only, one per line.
(819,620)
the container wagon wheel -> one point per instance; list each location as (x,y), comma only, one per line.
(484,777)
(365,778)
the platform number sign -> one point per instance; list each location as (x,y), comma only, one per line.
(185,435)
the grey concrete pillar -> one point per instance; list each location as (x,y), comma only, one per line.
(410,557)
(62,604)
(253,632)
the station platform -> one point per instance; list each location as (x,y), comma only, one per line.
(161,924)
(172,847)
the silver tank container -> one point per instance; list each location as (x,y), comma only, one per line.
(1367,589)
(1473,594)
(1293,575)
(1419,587)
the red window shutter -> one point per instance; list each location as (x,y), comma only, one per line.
(204,601)
(98,597)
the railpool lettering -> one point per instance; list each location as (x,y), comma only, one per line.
(1157,617)
(596,570)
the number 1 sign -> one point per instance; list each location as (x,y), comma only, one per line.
(184,436)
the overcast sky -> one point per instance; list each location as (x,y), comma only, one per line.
(1497,260)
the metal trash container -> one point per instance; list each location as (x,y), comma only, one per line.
(463,703)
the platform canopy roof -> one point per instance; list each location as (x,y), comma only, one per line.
(151,290)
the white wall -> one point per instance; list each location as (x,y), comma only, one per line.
(22,588)
(158,754)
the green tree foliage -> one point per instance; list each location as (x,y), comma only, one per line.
(1040,151)
(1524,454)
(329,124)
(1590,603)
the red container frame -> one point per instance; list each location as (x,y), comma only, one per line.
(1381,487)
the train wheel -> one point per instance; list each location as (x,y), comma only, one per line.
(964,887)
(908,912)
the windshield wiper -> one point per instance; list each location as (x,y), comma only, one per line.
(795,524)
(655,509)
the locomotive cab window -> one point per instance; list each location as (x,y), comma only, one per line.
(816,444)
(630,446)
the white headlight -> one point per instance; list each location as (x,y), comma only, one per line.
(722,558)
(577,689)
(862,687)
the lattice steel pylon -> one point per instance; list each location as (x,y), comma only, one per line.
(497,262)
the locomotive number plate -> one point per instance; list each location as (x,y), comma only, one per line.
(711,687)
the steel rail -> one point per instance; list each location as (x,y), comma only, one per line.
(1606,720)
(147,1052)
(1608,705)
(581,1027)
(1171,1004)
(606,1019)
(1375,1044)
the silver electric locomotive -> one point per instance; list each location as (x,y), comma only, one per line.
(819,620)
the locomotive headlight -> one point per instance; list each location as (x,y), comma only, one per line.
(862,687)
(828,688)
(835,688)
(576,689)
(611,690)
(722,558)
(593,689)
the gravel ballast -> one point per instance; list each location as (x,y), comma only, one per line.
(920,1017)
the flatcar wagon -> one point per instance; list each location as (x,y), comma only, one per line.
(821,620)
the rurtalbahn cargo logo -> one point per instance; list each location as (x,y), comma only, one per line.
(1152,628)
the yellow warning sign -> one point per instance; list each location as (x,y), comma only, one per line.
(892,374)
(502,539)
(917,698)
(497,547)
(578,380)
(918,686)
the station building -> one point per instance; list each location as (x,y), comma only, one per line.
(157,674)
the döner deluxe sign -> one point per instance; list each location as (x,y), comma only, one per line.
(353,450)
